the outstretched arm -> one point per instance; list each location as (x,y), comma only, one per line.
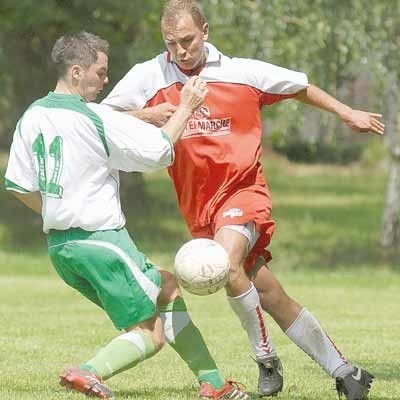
(361,121)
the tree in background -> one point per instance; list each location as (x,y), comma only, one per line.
(29,30)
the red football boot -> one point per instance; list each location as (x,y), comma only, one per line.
(85,382)
(231,390)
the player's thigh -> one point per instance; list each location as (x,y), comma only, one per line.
(65,268)
(125,290)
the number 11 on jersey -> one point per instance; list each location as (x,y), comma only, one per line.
(52,188)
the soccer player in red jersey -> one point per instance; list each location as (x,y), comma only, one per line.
(219,181)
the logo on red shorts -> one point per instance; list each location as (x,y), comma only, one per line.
(232,213)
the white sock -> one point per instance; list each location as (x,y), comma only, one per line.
(308,334)
(248,309)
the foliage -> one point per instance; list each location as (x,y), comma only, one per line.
(333,41)
(338,43)
(29,31)
(306,151)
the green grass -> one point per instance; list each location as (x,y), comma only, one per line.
(326,254)
(47,326)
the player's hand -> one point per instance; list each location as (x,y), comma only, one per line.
(157,115)
(161,113)
(193,93)
(363,121)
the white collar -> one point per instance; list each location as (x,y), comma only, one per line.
(213,54)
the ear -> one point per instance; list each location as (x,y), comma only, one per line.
(205,31)
(76,72)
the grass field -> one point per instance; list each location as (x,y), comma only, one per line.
(325,253)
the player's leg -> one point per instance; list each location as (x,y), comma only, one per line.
(245,302)
(306,332)
(136,344)
(126,293)
(185,338)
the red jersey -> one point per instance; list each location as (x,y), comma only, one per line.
(219,152)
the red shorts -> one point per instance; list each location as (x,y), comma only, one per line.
(249,204)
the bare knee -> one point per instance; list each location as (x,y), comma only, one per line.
(158,340)
(235,245)
(238,281)
(154,328)
(169,289)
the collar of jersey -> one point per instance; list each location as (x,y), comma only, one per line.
(64,96)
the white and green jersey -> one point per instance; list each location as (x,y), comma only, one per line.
(71,152)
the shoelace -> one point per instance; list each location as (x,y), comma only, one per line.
(237,392)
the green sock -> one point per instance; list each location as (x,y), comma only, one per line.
(185,338)
(122,353)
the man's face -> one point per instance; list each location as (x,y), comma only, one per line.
(185,41)
(93,79)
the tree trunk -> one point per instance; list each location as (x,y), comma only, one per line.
(390,237)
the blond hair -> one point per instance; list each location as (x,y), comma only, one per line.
(174,8)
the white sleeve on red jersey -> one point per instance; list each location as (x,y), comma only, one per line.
(140,84)
(128,93)
(271,78)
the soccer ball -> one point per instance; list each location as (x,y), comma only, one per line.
(202,266)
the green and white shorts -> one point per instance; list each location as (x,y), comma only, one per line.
(107,268)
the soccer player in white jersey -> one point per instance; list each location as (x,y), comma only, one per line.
(219,180)
(64,163)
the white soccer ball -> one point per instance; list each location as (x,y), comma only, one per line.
(202,266)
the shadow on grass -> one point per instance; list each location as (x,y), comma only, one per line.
(163,392)
(155,392)
(374,257)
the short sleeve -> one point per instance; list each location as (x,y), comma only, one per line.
(21,174)
(128,93)
(276,83)
(134,145)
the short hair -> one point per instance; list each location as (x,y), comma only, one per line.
(172,9)
(77,48)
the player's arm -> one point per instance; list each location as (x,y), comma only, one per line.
(32,200)
(191,97)
(157,115)
(361,121)
(135,145)
(130,96)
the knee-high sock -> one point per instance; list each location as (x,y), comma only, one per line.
(185,338)
(248,309)
(122,353)
(308,334)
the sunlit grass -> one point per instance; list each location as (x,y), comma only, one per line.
(326,254)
